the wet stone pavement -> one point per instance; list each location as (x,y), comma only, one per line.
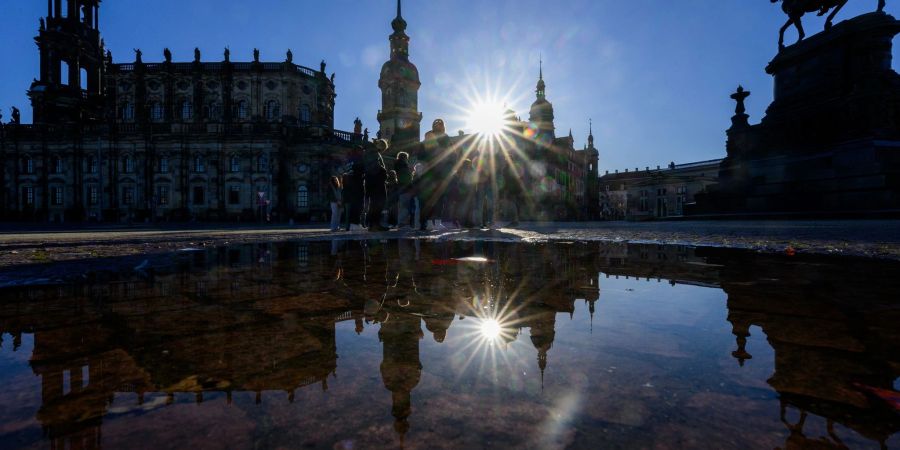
(453,344)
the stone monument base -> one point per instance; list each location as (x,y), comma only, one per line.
(830,141)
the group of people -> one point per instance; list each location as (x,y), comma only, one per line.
(443,189)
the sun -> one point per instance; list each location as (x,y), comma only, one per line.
(491,329)
(487,118)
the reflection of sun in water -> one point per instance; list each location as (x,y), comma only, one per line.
(491,329)
(486,118)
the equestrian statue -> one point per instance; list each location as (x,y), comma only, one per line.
(796,9)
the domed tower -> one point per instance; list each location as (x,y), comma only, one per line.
(70,87)
(541,115)
(399,117)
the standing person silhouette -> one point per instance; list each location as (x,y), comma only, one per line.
(376,175)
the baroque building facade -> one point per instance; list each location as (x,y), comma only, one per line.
(222,140)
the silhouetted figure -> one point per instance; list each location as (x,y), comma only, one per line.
(256,55)
(290,56)
(376,175)
(16,116)
(227,54)
(405,195)
(437,167)
(336,200)
(196,54)
(137,56)
(167,54)
(322,66)
(357,126)
(354,190)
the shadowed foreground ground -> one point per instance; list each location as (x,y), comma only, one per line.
(871,238)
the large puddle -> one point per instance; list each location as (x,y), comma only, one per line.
(456,345)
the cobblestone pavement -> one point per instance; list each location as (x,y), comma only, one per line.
(869,238)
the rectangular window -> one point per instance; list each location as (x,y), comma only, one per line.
(156,112)
(58,166)
(128,196)
(93,195)
(28,196)
(199,164)
(262,164)
(56,195)
(199,196)
(235,165)
(162,195)
(234,195)
(163,165)
(29,166)
(92,165)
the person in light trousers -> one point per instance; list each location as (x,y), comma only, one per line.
(336,198)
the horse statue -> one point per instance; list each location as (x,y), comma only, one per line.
(796,9)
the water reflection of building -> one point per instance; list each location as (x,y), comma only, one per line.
(202,326)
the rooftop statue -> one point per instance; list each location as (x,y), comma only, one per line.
(168,55)
(137,55)
(227,54)
(196,54)
(796,9)
(290,56)
(255,55)
(16,116)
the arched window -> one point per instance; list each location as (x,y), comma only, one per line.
(57,165)
(127,112)
(303,196)
(242,111)
(305,114)
(156,112)
(128,164)
(273,110)
(262,164)
(199,164)
(84,79)
(63,73)
(187,110)
(235,164)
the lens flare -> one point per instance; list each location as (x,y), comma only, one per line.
(487,118)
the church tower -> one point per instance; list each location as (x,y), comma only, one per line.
(70,87)
(592,173)
(399,117)
(541,116)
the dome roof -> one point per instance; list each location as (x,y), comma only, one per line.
(399,68)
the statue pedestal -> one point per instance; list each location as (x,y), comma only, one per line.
(830,140)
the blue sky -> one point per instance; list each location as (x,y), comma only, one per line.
(655,75)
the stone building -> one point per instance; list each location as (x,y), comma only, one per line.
(223,140)
(654,193)
(566,176)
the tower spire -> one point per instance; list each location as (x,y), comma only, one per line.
(541,87)
(399,15)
